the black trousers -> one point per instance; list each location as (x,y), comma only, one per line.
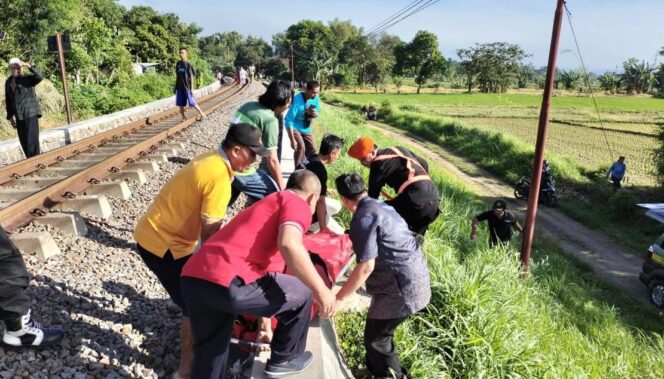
(379,344)
(14,280)
(28,136)
(213,308)
(417,214)
(616,181)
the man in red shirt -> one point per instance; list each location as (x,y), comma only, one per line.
(239,271)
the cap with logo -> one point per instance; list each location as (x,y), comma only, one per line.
(247,135)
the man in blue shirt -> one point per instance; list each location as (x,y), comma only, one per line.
(298,120)
(617,172)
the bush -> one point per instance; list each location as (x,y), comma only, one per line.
(622,205)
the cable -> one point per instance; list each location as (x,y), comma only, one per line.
(587,80)
(417,10)
(395,15)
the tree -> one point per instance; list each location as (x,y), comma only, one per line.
(569,79)
(314,48)
(526,75)
(254,50)
(609,82)
(358,56)
(421,58)
(220,49)
(637,77)
(493,66)
(659,80)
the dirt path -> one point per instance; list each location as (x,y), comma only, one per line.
(609,260)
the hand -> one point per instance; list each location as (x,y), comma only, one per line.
(332,192)
(313,113)
(13,122)
(26,64)
(293,144)
(326,304)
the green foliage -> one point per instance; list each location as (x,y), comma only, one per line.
(485,321)
(637,77)
(314,48)
(493,66)
(421,58)
(609,82)
(569,79)
(220,49)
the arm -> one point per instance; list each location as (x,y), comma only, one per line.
(9,97)
(275,169)
(473,228)
(209,226)
(297,259)
(321,213)
(36,75)
(377,179)
(288,123)
(518,226)
(357,278)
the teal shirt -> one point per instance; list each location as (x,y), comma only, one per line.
(295,117)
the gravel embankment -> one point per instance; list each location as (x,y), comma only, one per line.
(118,319)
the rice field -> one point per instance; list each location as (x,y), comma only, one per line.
(629,124)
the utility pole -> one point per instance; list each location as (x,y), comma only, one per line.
(63,75)
(292,65)
(533,197)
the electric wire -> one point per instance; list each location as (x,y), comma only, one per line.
(586,76)
(411,13)
(395,15)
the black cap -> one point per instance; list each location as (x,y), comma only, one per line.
(499,204)
(247,135)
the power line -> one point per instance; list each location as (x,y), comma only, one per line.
(395,15)
(411,13)
(586,76)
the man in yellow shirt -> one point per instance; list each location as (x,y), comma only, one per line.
(191,206)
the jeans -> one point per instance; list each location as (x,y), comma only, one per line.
(256,186)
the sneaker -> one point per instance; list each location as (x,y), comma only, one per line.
(25,332)
(294,366)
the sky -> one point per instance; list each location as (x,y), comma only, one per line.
(608,31)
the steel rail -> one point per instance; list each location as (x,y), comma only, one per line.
(36,163)
(22,211)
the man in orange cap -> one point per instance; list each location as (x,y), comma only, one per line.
(417,197)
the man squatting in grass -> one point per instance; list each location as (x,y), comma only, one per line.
(500,222)
(263,115)
(391,263)
(305,107)
(330,150)
(417,197)
(238,271)
(184,79)
(192,205)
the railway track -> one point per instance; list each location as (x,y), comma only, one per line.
(30,187)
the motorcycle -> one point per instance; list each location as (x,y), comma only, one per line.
(547,194)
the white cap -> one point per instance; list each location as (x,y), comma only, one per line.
(14,61)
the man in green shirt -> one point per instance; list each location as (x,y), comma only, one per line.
(263,114)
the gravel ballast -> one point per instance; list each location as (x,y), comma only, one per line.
(118,319)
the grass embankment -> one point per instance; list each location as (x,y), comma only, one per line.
(485,321)
(586,195)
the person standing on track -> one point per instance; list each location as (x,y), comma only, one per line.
(500,222)
(191,206)
(184,80)
(617,172)
(21,330)
(23,111)
(298,121)
(417,197)
(263,115)
(391,263)
(239,271)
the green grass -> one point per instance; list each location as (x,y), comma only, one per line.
(605,103)
(585,193)
(484,320)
